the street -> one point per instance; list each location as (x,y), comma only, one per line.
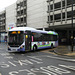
(35,63)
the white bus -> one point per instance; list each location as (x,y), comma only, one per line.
(26,38)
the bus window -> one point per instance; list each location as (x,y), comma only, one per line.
(15,39)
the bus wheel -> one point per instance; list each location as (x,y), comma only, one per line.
(34,48)
(51,46)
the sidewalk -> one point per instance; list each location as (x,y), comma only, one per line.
(65,50)
(3,45)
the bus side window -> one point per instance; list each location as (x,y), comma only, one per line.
(55,37)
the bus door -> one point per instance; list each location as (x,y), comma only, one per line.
(27,42)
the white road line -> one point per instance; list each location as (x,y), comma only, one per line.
(66,59)
(62,58)
(9,57)
(11,63)
(36,61)
(34,57)
(68,67)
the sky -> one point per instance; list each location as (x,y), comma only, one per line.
(6,3)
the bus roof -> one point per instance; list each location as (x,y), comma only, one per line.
(47,32)
(21,29)
(32,30)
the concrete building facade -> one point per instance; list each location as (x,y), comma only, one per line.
(60,19)
(37,14)
(3,21)
(2,25)
(21,10)
(10,16)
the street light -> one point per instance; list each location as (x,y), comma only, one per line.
(72,29)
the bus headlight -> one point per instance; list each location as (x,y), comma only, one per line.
(22,46)
(8,46)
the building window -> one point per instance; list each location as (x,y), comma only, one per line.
(18,21)
(74,13)
(24,11)
(24,3)
(21,12)
(21,4)
(69,14)
(51,17)
(24,19)
(48,18)
(21,20)
(57,16)
(49,0)
(69,2)
(73,1)
(18,13)
(57,5)
(48,7)
(63,15)
(18,5)
(63,3)
(51,7)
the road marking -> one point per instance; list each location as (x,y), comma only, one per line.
(5,54)
(62,58)
(73,60)
(11,63)
(3,65)
(68,67)
(36,61)
(34,57)
(48,70)
(9,57)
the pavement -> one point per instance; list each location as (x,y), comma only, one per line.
(3,45)
(65,50)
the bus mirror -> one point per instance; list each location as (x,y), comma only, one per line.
(26,36)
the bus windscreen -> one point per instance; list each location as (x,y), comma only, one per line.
(15,38)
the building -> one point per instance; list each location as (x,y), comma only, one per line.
(3,21)
(10,16)
(37,14)
(60,19)
(21,10)
(2,25)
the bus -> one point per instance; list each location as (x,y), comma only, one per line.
(30,39)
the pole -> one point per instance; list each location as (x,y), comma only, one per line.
(72,29)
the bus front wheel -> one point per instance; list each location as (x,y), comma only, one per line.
(34,48)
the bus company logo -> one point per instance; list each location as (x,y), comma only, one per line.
(10,26)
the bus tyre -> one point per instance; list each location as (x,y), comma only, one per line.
(51,46)
(34,48)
